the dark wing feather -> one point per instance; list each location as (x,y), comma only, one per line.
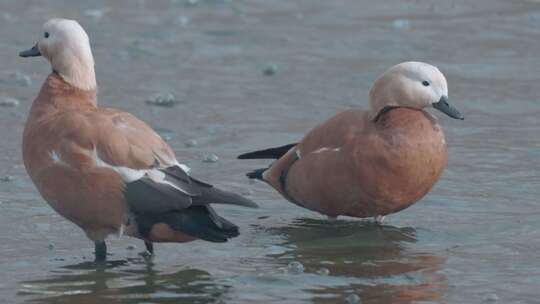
(271,153)
(148,196)
(213,195)
(185,207)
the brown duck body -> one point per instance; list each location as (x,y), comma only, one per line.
(66,174)
(104,169)
(353,165)
(108,172)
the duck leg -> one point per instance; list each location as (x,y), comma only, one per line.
(149,247)
(100,251)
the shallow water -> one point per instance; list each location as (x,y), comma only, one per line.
(473,239)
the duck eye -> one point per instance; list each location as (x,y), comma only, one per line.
(425,83)
(46,35)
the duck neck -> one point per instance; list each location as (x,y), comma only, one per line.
(60,94)
(76,67)
(379,107)
(80,75)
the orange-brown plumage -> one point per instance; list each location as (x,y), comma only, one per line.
(104,169)
(368,163)
(376,168)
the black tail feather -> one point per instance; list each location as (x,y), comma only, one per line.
(256,174)
(213,195)
(271,153)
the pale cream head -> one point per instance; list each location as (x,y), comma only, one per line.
(67,47)
(410,84)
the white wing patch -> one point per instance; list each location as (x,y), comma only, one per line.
(130,175)
(183,167)
(159,177)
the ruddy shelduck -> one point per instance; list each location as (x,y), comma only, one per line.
(368,163)
(104,169)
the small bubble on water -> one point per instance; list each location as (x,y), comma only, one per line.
(191,143)
(352,299)
(7,178)
(401,24)
(131,247)
(8,17)
(211,158)
(295,267)
(162,100)
(323,271)
(182,20)
(8,102)
(491,298)
(94,13)
(270,70)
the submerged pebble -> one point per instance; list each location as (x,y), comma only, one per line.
(270,70)
(353,299)
(94,13)
(211,158)
(8,17)
(162,100)
(323,271)
(9,102)
(191,143)
(491,298)
(295,267)
(401,24)
(7,178)
(183,20)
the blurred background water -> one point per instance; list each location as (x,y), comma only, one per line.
(235,75)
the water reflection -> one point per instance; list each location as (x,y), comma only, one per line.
(378,261)
(124,281)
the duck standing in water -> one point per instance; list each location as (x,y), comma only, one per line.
(104,169)
(368,163)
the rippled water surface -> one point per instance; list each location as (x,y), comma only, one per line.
(473,239)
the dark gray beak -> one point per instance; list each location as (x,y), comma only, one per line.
(33,52)
(443,106)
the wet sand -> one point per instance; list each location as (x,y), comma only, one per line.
(473,239)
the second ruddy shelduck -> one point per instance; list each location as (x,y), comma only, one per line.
(104,169)
(368,163)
